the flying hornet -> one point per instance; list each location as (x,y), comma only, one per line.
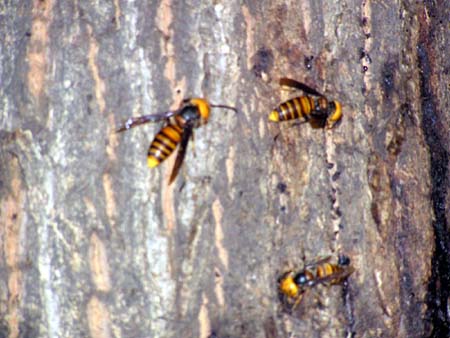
(178,129)
(293,285)
(319,112)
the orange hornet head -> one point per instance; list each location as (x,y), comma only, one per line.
(274,116)
(335,116)
(203,108)
(288,287)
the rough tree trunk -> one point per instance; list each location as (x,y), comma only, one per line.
(93,243)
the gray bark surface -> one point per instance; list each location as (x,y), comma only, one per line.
(95,244)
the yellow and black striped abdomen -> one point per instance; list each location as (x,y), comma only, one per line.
(330,270)
(163,144)
(296,108)
(326,269)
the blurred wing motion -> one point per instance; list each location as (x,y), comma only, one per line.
(137,121)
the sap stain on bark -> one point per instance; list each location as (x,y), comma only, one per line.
(262,61)
(388,76)
(395,133)
(307,61)
(379,184)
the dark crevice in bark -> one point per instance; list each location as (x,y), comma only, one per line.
(439,284)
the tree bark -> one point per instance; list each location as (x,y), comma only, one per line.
(95,244)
